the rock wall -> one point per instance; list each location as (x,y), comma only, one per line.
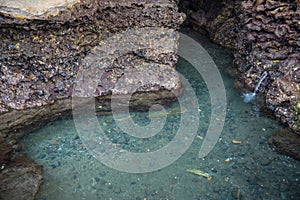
(264,37)
(44,47)
(42,52)
(21,179)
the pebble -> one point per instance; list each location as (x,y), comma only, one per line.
(133,183)
(243,151)
(265,161)
(214,170)
(41,156)
(76,137)
(55,164)
(109,186)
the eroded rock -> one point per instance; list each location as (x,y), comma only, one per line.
(264,36)
(34,9)
(286,142)
(40,59)
(20,180)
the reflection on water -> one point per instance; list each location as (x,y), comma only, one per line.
(242,165)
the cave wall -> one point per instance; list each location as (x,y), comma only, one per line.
(264,36)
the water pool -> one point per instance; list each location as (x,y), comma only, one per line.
(246,170)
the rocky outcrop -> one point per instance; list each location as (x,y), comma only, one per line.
(264,37)
(20,179)
(126,48)
(273,32)
(43,50)
(286,142)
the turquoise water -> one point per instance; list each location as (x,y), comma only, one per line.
(250,170)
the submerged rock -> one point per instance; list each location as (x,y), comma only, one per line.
(5,153)
(286,142)
(20,180)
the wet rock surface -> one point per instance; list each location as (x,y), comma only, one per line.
(20,179)
(5,152)
(264,36)
(286,142)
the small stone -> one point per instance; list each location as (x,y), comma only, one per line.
(41,156)
(76,137)
(55,164)
(284,141)
(133,183)
(214,170)
(109,186)
(265,161)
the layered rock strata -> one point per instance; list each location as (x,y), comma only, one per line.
(42,52)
